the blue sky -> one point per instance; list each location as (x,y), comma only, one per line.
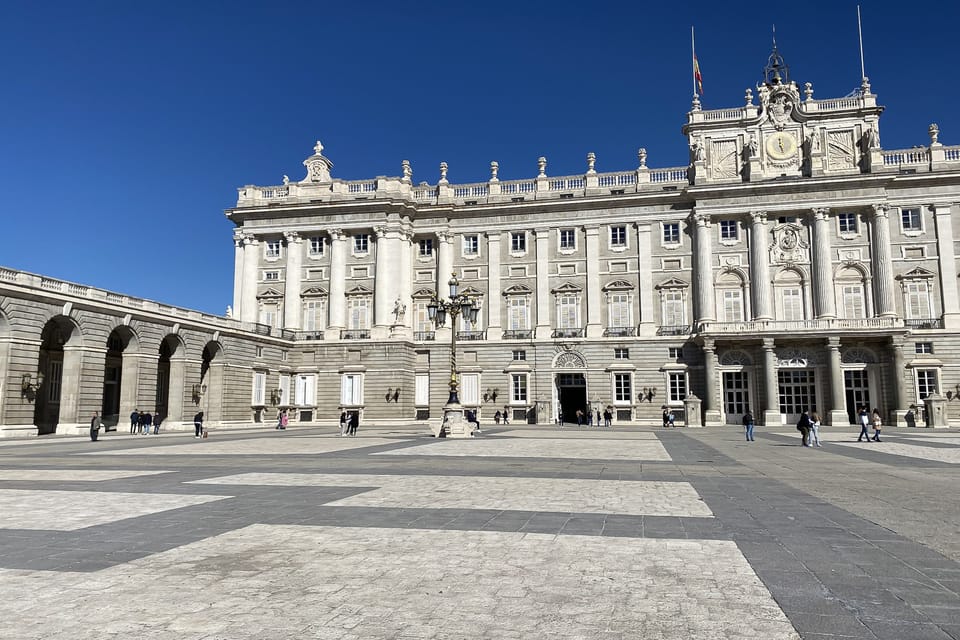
(127,127)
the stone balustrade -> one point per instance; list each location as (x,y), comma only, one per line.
(787,326)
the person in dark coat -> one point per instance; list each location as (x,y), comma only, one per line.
(134,421)
(803,426)
(95,427)
(198,425)
(748,425)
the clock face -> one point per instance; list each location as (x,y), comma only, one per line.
(781,146)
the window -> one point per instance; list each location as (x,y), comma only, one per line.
(358,313)
(272,248)
(519,355)
(305,390)
(853,306)
(271,275)
(917,300)
(568,312)
(317,244)
(926,383)
(54,380)
(426,247)
(421,395)
(466,325)
(618,236)
(671,232)
(786,219)
(621,353)
(518,242)
(518,313)
(622,388)
(732,301)
(284,355)
(677,386)
(791,300)
(910,220)
(619,310)
(471,245)
(675,353)
(568,239)
(259,388)
(518,388)
(351,389)
(470,389)
(314,312)
(361,243)
(674,310)
(269,315)
(284,389)
(847,223)
(259,352)
(728,230)
(421,317)
(923,347)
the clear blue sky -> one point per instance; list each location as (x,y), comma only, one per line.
(126,127)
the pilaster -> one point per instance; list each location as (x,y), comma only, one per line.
(237,271)
(771,412)
(943,216)
(594,317)
(648,323)
(543,329)
(838,414)
(759,266)
(386,278)
(703,270)
(899,412)
(824,293)
(292,311)
(251,266)
(493,303)
(338,274)
(711,405)
(882,262)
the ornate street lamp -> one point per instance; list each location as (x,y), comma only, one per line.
(438,309)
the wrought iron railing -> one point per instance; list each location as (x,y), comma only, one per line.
(517,334)
(355,334)
(423,336)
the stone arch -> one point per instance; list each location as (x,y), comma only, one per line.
(171,377)
(569,360)
(735,357)
(121,373)
(59,367)
(5,373)
(858,355)
(212,366)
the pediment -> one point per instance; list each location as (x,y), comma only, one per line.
(618,285)
(423,293)
(918,273)
(471,291)
(672,283)
(567,287)
(360,290)
(517,290)
(270,293)
(313,292)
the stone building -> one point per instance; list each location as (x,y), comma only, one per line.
(793,264)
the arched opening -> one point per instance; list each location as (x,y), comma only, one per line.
(170,378)
(6,392)
(58,365)
(731,297)
(120,371)
(211,382)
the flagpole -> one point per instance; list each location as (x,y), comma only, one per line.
(863,73)
(693,61)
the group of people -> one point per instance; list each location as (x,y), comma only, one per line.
(809,428)
(585,417)
(282,420)
(505,416)
(141,422)
(866,420)
(348,424)
(669,418)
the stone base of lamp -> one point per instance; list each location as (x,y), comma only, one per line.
(454,424)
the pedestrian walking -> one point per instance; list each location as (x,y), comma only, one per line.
(608,418)
(506,415)
(748,425)
(354,419)
(134,420)
(803,426)
(284,420)
(157,418)
(140,420)
(279,419)
(198,425)
(598,417)
(876,425)
(579,418)
(864,419)
(815,429)
(496,417)
(95,425)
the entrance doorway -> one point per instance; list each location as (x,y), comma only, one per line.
(736,395)
(571,395)
(856,386)
(798,393)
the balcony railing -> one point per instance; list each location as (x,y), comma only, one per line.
(568,333)
(355,334)
(785,326)
(620,332)
(924,323)
(471,335)
(308,335)
(517,334)
(674,330)
(424,336)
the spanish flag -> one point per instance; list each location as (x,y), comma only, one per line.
(696,75)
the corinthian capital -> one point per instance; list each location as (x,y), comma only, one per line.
(337,234)
(758,217)
(249,240)
(880,209)
(821,213)
(292,237)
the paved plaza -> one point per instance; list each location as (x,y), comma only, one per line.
(525,532)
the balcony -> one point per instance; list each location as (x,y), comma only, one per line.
(924,323)
(790,326)
(568,333)
(308,335)
(355,334)
(619,332)
(518,334)
(424,336)
(471,335)
(674,330)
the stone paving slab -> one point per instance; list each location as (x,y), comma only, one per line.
(562,495)
(542,447)
(71,510)
(950,455)
(568,432)
(71,475)
(273,444)
(348,583)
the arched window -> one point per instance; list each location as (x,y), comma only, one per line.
(730,297)
(789,295)
(851,292)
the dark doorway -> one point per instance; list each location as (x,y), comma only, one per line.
(572,395)
(163,378)
(857,389)
(46,410)
(112,377)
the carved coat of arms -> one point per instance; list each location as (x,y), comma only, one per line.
(779,105)
(788,244)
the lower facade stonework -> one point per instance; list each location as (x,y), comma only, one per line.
(67,351)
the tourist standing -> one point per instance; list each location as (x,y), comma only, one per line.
(496,417)
(815,429)
(134,420)
(95,425)
(157,418)
(147,423)
(803,426)
(748,425)
(343,423)
(607,417)
(864,418)
(354,420)
(877,423)
(198,425)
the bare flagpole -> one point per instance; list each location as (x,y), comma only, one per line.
(863,73)
(693,61)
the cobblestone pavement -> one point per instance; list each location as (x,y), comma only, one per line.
(522,533)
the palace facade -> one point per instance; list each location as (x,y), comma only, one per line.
(793,264)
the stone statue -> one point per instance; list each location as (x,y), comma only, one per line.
(399,310)
(697,153)
(229,312)
(750,150)
(872,138)
(286,179)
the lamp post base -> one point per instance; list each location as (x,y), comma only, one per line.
(454,424)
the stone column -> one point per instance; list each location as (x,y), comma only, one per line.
(406,278)
(543,283)
(771,413)
(824,293)
(703,270)
(594,317)
(942,215)
(899,412)
(647,317)
(711,405)
(882,263)
(838,413)
(237,271)
(444,270)
(251,265)
(291,290)
(494,326)
(386,281)
(338,275)
(760,267)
